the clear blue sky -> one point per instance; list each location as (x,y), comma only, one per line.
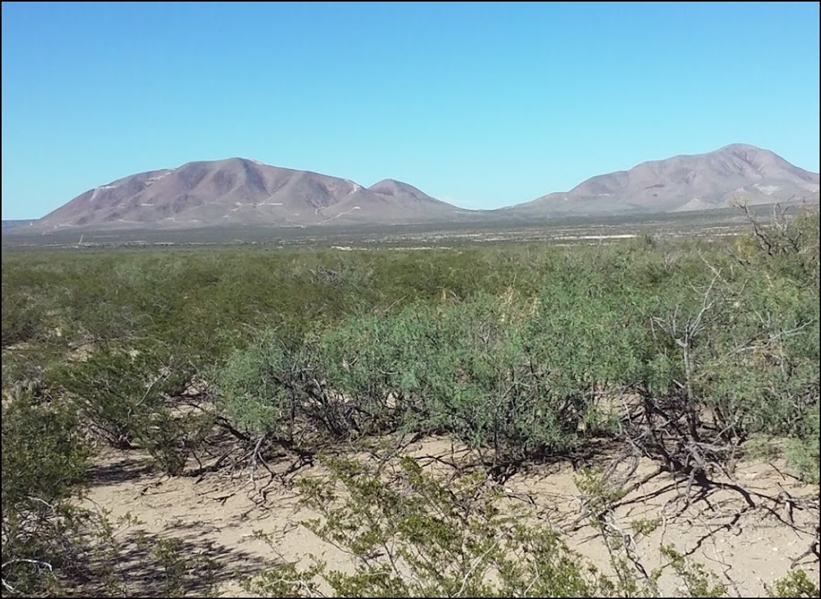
(482,105)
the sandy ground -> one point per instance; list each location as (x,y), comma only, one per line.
(747,544)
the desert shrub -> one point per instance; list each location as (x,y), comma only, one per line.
(44,452)
(44,459)
(478,384)
(517,377)
(460,369)
(112,393)
(377,361)
(262,387)
(783,244)
(29,293)
(28,370)
(432,369)
(698,581)
(278,392)
(462,340)
(22,318)
(802,450)
(123,398)
(794,584)
(738,348)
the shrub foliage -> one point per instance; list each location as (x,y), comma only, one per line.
(684,350)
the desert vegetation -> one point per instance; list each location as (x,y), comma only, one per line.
(272,363)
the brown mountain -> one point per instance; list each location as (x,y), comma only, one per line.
(694,182)
(237,191)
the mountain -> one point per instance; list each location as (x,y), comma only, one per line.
(237,191)
(241,192)
(694,182)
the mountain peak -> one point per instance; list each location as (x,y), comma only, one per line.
(386,185)
(710,180)
(402,192)
(741,147)
(242,191)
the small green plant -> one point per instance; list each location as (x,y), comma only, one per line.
(645,526)
(286,580)
(598,493)
(696,579)
(794,584)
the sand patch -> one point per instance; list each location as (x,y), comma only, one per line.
(747,540)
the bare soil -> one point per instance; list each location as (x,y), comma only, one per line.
(747,538)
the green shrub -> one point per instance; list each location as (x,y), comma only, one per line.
(44,459)
(803,450)
(20,323)
(124,401)
(794,584)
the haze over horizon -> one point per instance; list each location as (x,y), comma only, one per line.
(482,106)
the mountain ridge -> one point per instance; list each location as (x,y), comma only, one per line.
(683,182)
(245,192)
(241,191)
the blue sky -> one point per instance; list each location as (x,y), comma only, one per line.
(479,104)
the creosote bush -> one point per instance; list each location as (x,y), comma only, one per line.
(44,460)
(716,353)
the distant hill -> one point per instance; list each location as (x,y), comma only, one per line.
(238,191)
(14,224)
(695,182)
